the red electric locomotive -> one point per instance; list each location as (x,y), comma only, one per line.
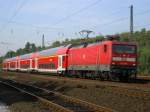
(104,60)
(107,60)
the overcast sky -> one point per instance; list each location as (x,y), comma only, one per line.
(27,20)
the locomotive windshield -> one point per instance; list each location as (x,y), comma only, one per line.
(130,49)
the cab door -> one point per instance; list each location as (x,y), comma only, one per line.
(60,62)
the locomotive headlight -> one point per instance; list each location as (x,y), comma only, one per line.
(123,59)
(133,64)
(116,58)
(113,63)
(131,59)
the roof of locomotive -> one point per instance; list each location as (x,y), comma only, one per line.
(124,43)
(84,45)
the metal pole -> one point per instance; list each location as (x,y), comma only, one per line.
(131,19)
(43,41)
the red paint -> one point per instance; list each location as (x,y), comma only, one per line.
(48,60)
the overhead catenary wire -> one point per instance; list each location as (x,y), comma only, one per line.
(14,15)
(67,17)
(142,26)
(143,12)
(120,19)
(77,12)
(34,27)
(37,27)
(5,43)
(105,24)
(73,14)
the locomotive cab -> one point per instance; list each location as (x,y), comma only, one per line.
(124,59)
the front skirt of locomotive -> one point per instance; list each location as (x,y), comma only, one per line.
(124,70)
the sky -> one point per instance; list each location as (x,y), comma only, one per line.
(24,21)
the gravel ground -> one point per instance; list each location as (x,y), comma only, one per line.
(18,102)
(92,91)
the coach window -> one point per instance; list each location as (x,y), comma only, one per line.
(105,48)
(52,66)
(63,58)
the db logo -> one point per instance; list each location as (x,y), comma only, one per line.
(83,56)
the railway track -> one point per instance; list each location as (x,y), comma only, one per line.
(141,80)
(117,88)
(127,91)
(143,95)
(57,102)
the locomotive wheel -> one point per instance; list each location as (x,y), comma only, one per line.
(113,77)
(105,76)
(124,78)
(102,76)
(93,77)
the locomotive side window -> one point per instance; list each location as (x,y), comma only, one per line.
(105,48)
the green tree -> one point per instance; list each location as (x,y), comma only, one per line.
(56,44)
(27,47)
(33,47)
(10,54)
(1,59)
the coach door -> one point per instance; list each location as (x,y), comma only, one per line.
(60,62)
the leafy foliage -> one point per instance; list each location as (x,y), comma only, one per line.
(29,47)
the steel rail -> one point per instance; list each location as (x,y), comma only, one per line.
(125,90)
(49,104)
(92,107)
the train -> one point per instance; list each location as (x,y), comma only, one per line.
(105,60)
